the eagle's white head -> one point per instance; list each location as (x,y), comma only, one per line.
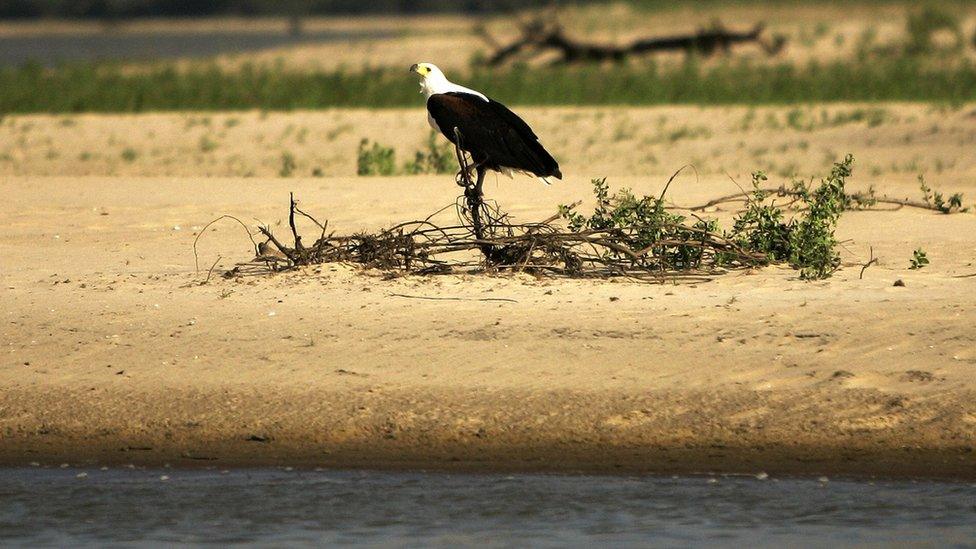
(433,81)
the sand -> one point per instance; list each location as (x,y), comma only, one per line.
(892,142)
(116,350)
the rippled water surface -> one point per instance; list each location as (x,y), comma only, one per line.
(93,507)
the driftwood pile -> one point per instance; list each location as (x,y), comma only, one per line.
(543,248)
(483,238)
(539,36)
(627,236)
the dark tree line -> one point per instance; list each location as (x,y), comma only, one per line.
(170,8)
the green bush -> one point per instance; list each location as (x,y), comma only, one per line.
(806,241)
(919,259)
(288,164)
(643,223)
(938,201)
(438,157)
(375,159)
(642,231)
(923,24)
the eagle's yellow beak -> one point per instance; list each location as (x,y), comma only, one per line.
(415,68)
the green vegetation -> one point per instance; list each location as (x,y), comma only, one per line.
(437,157)
(649,227)
(375,159)
(111,9)
(936,200)
(288,164)
(207,144)
(919,259)
(110,88)
(806,241)
(932,18)
(803,119)
(665,240)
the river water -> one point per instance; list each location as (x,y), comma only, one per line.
(49,49)
(97,508)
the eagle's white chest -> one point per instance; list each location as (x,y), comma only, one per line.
(432,122)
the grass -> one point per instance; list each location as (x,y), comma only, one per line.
(109,88)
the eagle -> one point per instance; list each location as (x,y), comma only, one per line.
(495,137)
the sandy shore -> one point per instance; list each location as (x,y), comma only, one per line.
(115,351)
(893,142)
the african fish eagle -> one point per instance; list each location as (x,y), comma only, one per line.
(495,137)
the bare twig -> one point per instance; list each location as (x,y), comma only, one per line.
(670,179)
(870,262)
(783,191)
(291,222)
(210,271)
(431,298)
(288,252)
(196,256)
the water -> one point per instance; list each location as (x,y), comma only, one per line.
(49,49)
(54,507)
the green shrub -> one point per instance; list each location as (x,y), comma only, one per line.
(919,259)
(923,24)
(288,164)
(438,157)
(806,241)
(643,231)
(644,223)
(207,144)
(375,159)
(761,226)
(938,201)
(812,240)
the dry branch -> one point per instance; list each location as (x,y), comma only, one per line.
(865,266)
(863,200)
(196,240)
(427,247)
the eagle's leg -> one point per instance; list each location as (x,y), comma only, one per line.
(463,177)
(481,170)
(475,199)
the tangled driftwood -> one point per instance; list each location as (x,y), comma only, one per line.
(636,237)
(483,238)
(540,35)
(426,247)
